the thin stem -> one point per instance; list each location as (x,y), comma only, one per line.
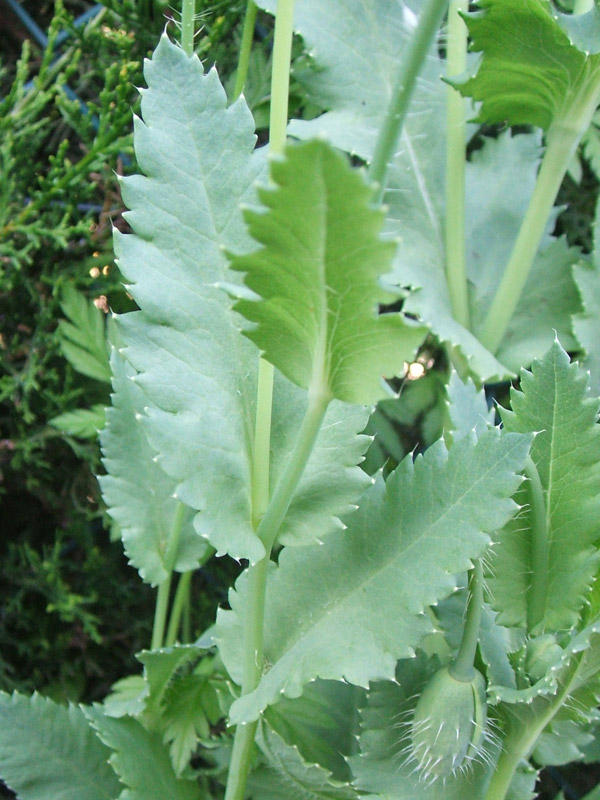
(414,55)
(188,15)
(462,668)
(160,613)
(456,141)
(521,738)
(562,140)
(164,589)
(180,601)
(245,49)
(536,597)
(280,77)
(243,741)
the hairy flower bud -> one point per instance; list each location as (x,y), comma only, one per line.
(449,725)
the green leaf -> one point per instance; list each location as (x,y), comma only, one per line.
(530,73)
(127,697)
(194,367)
(160,667)
(185,718)
(356,48)
(140,759)
(553,401)
(583,30)
(287,774)
(84,423)
(49,752)
(316,275)
(586,324)
(139,495)
(83,339)
(321,724)
(401,551)
(467,408)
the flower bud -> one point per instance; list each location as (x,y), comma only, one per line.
(449,725)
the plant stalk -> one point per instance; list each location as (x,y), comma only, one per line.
(162,598)
(188,16)
(562,140)
(243,741)
(536,598)
(462,668)
(521,737)
(245,49)
(180,601)
(456,260)
(414,55)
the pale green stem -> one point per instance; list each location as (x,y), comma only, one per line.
(160,613)
(456,142)
(413,57)
(462,668)
(582,6)
(562,140)
(162,598)
(188,15)
(257,582)
(245,49)
(536,597)
(180,601)
(521,738)
(257,578)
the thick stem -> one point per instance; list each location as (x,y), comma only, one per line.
(414,54)
(188,14)
(562,140)
(536,597)
(456,140)
(245,49)
(521,737)
(257,579)
(582,6)
(462,668)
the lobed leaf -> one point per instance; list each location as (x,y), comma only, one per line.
(83,338)
(586,324)
(49,752)
(531,73)
(553,401)
(140,759)
(316,275)
(402,551)
(139,495)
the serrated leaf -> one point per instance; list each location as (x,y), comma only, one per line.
(84,423)
(287,774)
(83,339)
(316,275)
(127,697)
(322,724)
(139,495)
(583,30)
(530,73)
(553,401)
(159,668)
(194,367)
(49,752)
(185,719)
(467,408)
(140,759)
(390,556)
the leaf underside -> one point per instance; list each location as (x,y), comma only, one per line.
(431,515)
